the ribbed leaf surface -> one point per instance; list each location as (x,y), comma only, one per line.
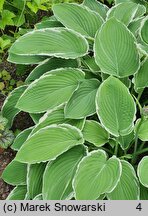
(56,117)
(96,175)
(48,65)
(115,107)
(18,193)
(115,49)
(97,7)
(141,78)
(94,133)
(9,111)
(59,42)
(124,12)
(144,31)
(143,130)
(49,142)
(48,24)
(25,59)
(57,184)
(128,186)
(50,91)
(21,138)
(15,173)
(82,102)
(34,179)
(142,171)
(79,18)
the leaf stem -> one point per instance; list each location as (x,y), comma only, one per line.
(141,151)
(116,148)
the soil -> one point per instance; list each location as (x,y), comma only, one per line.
(21,122)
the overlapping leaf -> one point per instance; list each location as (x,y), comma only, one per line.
(59,42)
(18,193)
(128,186)
(82,102)
(115,107)
(57,184)
(49,142)
(50,91)
(80,18)
(115,49)
(142,171)
(96,175)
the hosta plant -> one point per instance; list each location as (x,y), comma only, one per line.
(87,97)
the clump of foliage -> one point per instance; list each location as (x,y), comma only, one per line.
(87,98)
(6,136)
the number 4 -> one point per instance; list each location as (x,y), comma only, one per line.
(139,207)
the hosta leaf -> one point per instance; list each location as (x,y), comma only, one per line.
(91,64)
(80,18)
(97,7)
(125,141)
(48,24)
(25,59)
(96,175)
(38,197)
(141,78)
(134,26)
(36,117)
(124,12)
(9,111)
(115,49)
(58,42)
(18,193)
(50,64)
(82,102)
(49,142)
(34,179)
(143,130)
(21,138)
(51,90)
(144,31)
(142,171)
(15,173)
(128,186)
(115,107)
(143,193)
(57,183)
(56,117)
(94,133)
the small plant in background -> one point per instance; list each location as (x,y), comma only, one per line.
(86,97)
(6,136)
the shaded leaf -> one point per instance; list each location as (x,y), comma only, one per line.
(18,193)
(142,171)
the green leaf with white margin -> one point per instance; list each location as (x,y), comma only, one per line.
(80,18)
(15,173)
(116,108)
(144,31)
(56,117)
(89,62)
(48,24)
(50,90)
(142,171)
(93,132)
(9,111)
(48,65)
(58,176)
(124,12)
(18,193)
(135,25)
(49,142)
(96,175)
(128,186)
(38,197)
(21,138)
(82,102)
(116,56)
(34,179)
(36,117)
(143,129)
(97,7)
(25,59)
(58,42)
(141,78)
(125,141)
